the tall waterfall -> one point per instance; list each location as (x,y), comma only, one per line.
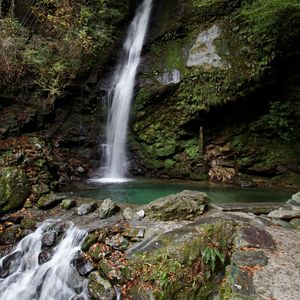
(120,96)
(24,276)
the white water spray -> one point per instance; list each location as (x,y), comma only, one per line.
(28,279)
(120,96)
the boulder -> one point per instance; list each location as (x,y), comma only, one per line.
(130,215)
(100,288)
(295,199)
(285,214)
(182,206)
(86,208)
(117,242)
(83,266)
(49,239)
(49,200)
(107,209)
(67,204)
(14,189)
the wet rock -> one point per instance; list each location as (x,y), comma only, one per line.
(100,288)
(182,206)
(117,242)
(89,241)
(107,209)
(83,266)
(28,224)
(44,256)
(67,204)
(25,232)
(49,200)
(249,258)
(130,215)
(285,214)
(254,237)
(10,264)
(86,208)
(14,189)
(49,239)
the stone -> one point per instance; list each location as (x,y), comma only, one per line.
(49,239)
(203,52)
(107,209)
(117,242)
(14,189)
(89,241)
(295,199)
(249,258)
(86,208)
(28,224)
(44,256)
(100,288)
(67,204)
(40,189)
(9,265)
(254,237)
(186,205)
(134,233)
(284,214)
(130,215)
(49,200)
(83,266)
(141,213)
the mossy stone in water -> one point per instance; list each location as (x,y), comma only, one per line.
(14,189)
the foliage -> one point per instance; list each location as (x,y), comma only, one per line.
(211,255)
(279,121)
(63,45)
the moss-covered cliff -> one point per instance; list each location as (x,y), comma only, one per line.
(219,92)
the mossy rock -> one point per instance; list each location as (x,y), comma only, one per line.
(14,189)
(182,264)
(186,205)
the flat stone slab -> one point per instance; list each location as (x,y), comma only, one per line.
(284,214)
(255,208)
(249,258)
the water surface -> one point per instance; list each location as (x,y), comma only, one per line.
(143,191)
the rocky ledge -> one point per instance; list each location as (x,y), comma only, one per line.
(204,252)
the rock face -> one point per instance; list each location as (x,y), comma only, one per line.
(204,126)
(182,206)
(14,189)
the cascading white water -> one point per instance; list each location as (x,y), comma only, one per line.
(55,279)
(120,96)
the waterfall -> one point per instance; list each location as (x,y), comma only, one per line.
(24,275)
(120,96)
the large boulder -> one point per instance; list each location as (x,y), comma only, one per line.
(185,205)
(14,189)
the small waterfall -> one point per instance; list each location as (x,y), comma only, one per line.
(23,276)
(120,96)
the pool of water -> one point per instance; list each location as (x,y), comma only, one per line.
(144,191)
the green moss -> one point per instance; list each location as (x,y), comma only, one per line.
(169,163)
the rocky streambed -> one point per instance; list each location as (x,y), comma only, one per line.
(177,247)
